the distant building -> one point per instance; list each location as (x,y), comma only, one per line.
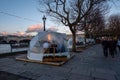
(78,35)
(14,38)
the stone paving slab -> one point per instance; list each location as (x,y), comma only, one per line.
(80,77)
(82,70)
(103,76)
(87,65)
(105,71)
(11,76)
(118,77)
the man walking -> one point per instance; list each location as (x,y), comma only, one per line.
(105,46)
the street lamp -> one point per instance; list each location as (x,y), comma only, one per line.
(44,19)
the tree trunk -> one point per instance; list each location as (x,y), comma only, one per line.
(85,41)
(85,37)
(74,41)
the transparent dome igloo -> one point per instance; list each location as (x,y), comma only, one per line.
(47,43)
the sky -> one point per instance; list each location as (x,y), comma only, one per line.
(22,16)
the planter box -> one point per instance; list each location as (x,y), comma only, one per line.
(55,59)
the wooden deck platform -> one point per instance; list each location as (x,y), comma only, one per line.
(24,58)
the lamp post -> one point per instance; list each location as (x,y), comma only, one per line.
(44,19)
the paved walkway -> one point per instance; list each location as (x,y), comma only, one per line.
(87,65)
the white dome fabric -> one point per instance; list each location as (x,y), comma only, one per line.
(44,40)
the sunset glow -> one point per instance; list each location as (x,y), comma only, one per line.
(27,19)
(49,37)
(35,28)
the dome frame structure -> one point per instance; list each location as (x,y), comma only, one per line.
(48,43)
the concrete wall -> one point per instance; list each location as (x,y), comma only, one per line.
(6,48)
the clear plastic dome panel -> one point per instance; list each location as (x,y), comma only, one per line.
(49,42)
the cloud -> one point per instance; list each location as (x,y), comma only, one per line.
(4,33)
(35,28)
(1,34)
(20,33)
(39,27)
(52,29)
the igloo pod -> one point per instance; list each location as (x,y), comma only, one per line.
(78,40)
(43,40)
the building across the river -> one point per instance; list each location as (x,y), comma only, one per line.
(9,38)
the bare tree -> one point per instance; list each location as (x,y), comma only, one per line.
(97,22)
(94,22)
(70,12)
(114,24)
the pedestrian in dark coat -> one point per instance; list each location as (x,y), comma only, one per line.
(112,47)
(115,45)
(105,46)
(118,44)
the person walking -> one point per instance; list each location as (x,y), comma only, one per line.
(118,44)
(115,44)
(105,46)
(112,47)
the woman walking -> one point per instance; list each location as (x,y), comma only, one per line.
(118,44)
